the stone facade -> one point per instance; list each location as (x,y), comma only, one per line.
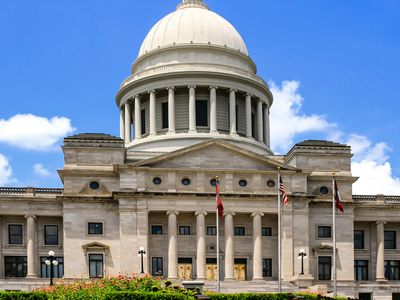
(191,111)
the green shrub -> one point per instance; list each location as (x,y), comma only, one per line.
(145,296)
(23,296)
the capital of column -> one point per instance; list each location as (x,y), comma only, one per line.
(172,212)
(201,212)
(192,87)
(257,213)
(381,222)
(213,87)
(152,92)
(170,88)
(232,90)
(249,95)
(137,96)
(229,213)
(30,216)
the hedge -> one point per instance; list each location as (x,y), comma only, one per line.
(106,296)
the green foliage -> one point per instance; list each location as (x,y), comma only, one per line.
(23,295)
(266,296)
(145,296)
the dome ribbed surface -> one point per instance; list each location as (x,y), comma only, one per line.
(193,24)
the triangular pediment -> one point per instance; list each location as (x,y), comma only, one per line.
(215,154)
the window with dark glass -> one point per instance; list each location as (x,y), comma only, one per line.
(157,180)
(15,266)
(95,228)
(58,271)
(324,268)
(237,117)
(184,230)
(390,239)
(253,125)
(15,234)
(157,267)
(201,113)
(361,269)
(96,263)
(267,267)
(242,182)
(358,239)
(213,182)
(239,231)
(364,296)
(164,114)
(392,269)
(211,230)
(156,229)
(143,120)
(324,231)
(50,234)
(266,231)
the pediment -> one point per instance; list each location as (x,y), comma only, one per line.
(215,154)
(95,246)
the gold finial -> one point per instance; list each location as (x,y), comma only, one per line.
(216,177)
(333,174)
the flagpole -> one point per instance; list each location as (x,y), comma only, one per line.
(334,233)
(279,233)
(217,225)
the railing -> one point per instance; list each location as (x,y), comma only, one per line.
(364,198)
(35,191)
(392,199)
(375,198)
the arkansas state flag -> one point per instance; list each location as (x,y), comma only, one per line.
(338,200)
(220,207)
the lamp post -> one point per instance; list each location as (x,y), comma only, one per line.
(51,261)
(302,255)
(141,253)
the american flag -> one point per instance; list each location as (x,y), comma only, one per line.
(285,199)
(338,200)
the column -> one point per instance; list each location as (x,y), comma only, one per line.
(172,245)
(138,118)
(266,126)
(232,111)
(153,130)
(380,251)
(260,135)
(31,245)
(121,122)
(229,252)
(249,130)
(213,109)
(257,246)
(192,109)
(201,244)
(128,122)
(171,109)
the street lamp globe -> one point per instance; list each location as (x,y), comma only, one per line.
(47,262)
(51,253)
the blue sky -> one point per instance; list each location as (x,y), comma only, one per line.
(333,66)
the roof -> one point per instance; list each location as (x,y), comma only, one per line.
(93,136)
(320,143)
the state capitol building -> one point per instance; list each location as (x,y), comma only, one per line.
(192,109)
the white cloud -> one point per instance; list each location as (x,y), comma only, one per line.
(40,170)
(5,171)
(287,120)
(32,132)
(370,162)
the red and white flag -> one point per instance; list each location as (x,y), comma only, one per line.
(284,197)
(338,200)
(220,206)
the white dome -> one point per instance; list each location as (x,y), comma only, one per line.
(193,23)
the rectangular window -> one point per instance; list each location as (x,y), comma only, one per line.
(266,231)
(156,229)
(358,239)
(201,113)
(361,269)
(95,228)
(164,114)
(390,239)
(324,231)
(392,269)
(253,125)
(15,266)
(211,230)
(364,296)
(157,267)
(143,120)
(324,268)
(50,234)
(237,117)
(96,264)
(184,230)
(267,267)
(15,236)
(58,271)
(239,231)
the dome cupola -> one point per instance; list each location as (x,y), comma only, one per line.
(193,80)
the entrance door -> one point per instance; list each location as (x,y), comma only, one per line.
(211,269)
(185,269)
(240,269)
